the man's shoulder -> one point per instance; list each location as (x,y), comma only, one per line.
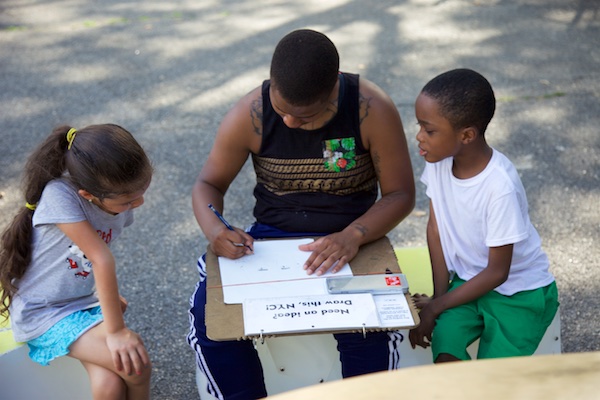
(251,96)
(242,125)
(250,101)
(366,86)
(375,97)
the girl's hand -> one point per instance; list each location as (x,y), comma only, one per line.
(128,351)
(123,304)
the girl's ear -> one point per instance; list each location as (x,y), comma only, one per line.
(85,194)
(469,134)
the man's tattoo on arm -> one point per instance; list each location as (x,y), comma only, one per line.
(256,114)
(363,230)
(376,162)
(363,104)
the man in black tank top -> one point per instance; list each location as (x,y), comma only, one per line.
(324,144)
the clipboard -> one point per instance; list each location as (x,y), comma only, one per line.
(225,321)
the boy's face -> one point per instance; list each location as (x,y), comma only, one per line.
(437,138)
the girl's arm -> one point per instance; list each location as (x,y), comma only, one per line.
(127,349)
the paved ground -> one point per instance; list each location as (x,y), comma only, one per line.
(168,71)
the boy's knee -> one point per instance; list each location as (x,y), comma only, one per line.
(445,357)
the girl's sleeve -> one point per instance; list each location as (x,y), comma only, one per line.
(59,204)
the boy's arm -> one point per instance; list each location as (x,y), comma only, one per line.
(436,254)
(495,274)
(487,280)
(421,335)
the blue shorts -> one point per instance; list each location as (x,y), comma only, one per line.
(55,341)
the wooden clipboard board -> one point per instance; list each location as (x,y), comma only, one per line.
(226,321)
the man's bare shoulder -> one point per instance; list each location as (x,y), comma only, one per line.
(373,100)
(370,90)
(247,112)
(241,128)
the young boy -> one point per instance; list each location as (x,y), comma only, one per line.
(491,277)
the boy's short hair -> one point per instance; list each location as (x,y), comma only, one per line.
(465,98)
(304,67)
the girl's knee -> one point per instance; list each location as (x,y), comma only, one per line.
(139,380)
(109,384)
(106,384)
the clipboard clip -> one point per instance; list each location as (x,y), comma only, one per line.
(260,337)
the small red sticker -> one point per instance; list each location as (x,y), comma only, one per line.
(393,281)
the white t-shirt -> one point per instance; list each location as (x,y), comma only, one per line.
(487,210)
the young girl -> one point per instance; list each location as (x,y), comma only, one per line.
(57,272)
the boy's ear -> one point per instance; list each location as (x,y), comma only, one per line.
(469,134)
(85,194)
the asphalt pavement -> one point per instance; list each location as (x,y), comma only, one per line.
(169,71)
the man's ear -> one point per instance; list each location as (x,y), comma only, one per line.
(469,134)
(85,194)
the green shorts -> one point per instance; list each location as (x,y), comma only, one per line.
(506,325)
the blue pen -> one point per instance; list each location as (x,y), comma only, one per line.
(218,214)
(224,221)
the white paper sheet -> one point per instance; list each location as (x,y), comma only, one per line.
(274,270)
(393,310)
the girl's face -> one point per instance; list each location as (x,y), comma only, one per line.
(118,204)
(437,138)
(122,203)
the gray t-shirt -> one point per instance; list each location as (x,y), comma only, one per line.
(59,279)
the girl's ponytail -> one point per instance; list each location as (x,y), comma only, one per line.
(46,163)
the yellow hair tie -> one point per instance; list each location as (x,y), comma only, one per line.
(71,137)
(32,207)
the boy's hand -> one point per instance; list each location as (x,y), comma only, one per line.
(421,335)
(420,300)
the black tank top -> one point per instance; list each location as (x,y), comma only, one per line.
(314,181)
